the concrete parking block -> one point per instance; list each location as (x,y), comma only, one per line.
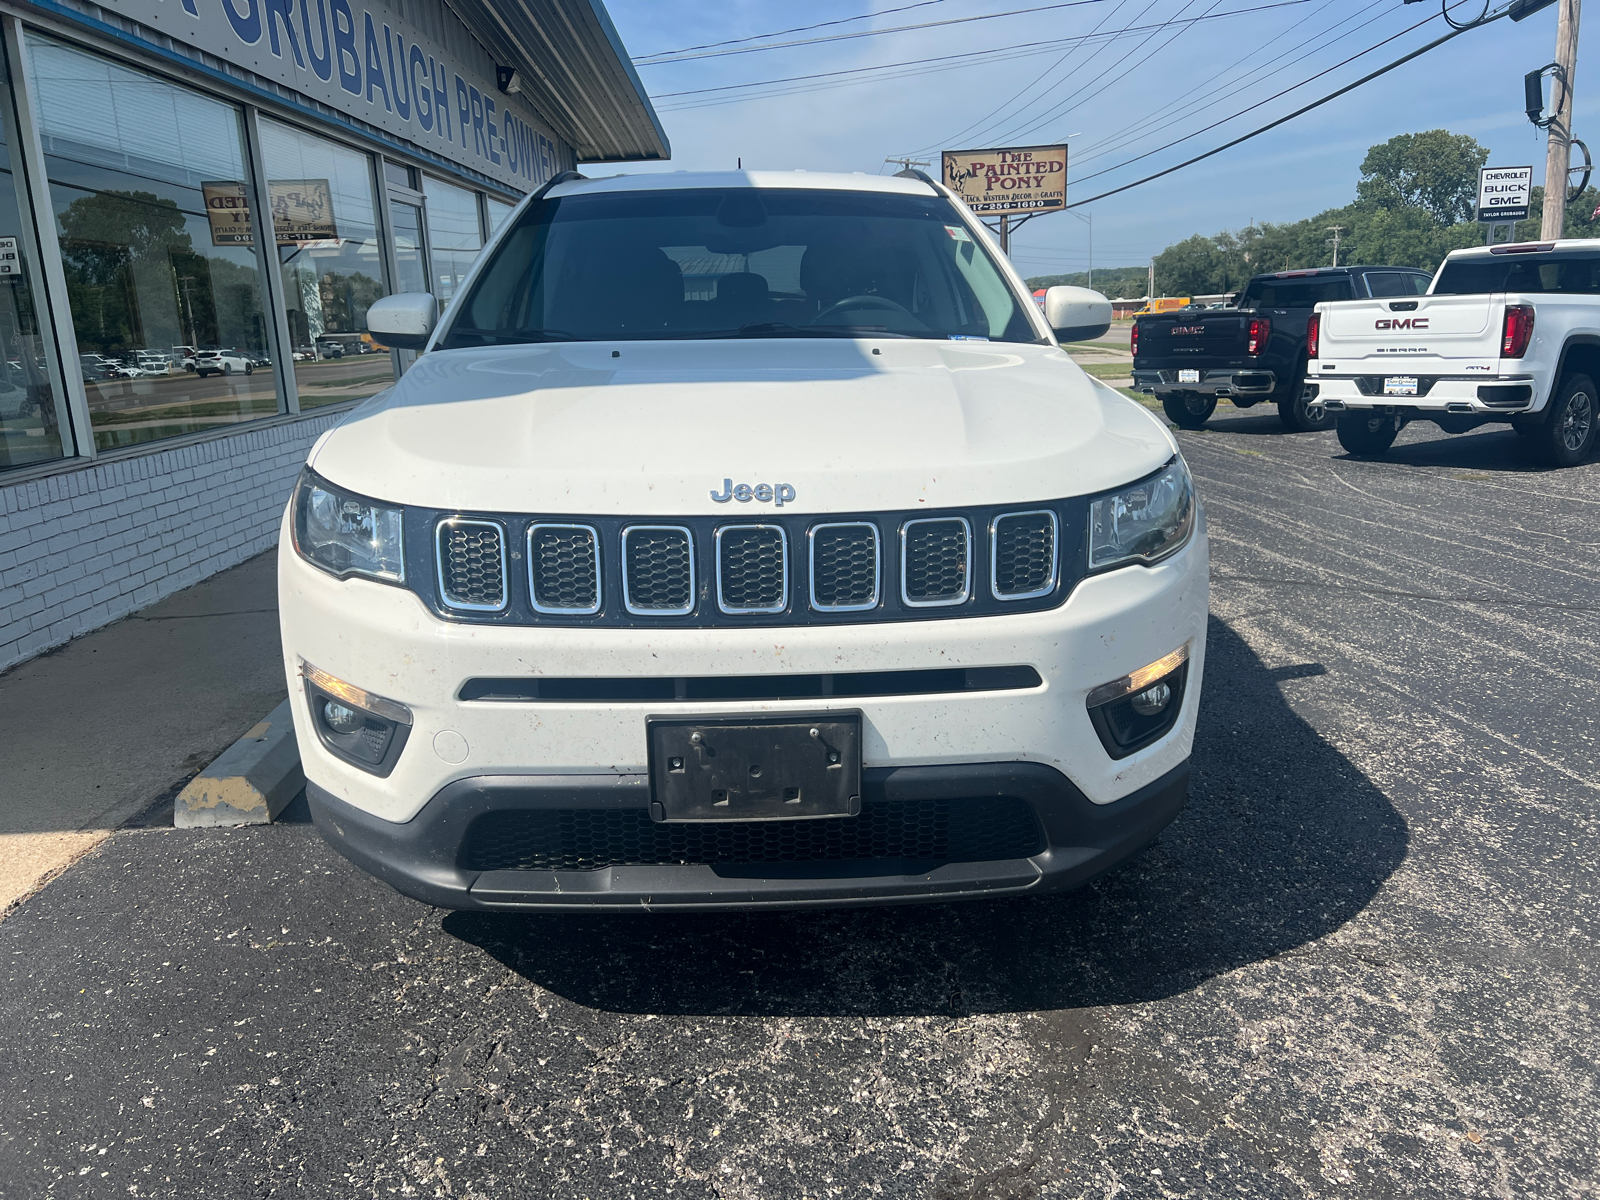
(250,783)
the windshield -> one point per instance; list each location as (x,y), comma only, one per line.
(1296,293)
(1507,273)
(738,262)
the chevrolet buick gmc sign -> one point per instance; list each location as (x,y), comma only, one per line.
(433,86)
(1504,194)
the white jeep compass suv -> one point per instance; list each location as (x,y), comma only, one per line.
(743,541)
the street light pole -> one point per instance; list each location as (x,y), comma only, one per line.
(1558,150)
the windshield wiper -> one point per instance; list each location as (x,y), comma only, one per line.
(782,329)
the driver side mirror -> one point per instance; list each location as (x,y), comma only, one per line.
(1076,314)
(403,322)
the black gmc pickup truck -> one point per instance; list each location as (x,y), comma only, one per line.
(1191,357)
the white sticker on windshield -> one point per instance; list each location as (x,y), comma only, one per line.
(967,337)
(958,233)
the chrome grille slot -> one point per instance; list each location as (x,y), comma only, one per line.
(472,565)
(935,562)
(752,569)
(564,569)
(1023,554)
(845,566)
(658,570)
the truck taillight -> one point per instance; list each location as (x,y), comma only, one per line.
(1313,335)
(1133,341)
(1517,332)
(1260,331)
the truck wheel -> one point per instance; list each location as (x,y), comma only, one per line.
(1367,433)
(1298,414)
(1189,410)
(1568,433)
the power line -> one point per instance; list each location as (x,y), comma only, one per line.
(823,80)
(1270,99)
(643,59)
(1299,112)
(1135,132)
(658,60)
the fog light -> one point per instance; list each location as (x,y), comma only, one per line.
(361,728)
(341,718)
(1140,708)
(1152,700)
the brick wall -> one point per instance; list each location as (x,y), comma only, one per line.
(85,547)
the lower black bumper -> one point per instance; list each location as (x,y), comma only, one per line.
(1230,381)
(432,857)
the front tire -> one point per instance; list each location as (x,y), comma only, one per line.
(1366,433)
(1567,434)
(1189,410)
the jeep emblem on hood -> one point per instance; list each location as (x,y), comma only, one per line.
(767,493)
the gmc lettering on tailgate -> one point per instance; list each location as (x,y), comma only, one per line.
(1401,323)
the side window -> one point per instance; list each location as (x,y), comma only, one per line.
(1421,283)
(1388,283)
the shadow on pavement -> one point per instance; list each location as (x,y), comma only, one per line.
(1283,842)
(1490,448)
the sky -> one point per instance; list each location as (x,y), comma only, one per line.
(1115,79)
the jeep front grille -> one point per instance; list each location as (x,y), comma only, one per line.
(752,569)
(564,568)
(1023,554)
(935,562)
(472,565)
(658,570)
(846,566)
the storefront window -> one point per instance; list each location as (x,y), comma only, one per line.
(324,215)
(499,210)
(454,235)
(32,418)
(154,284)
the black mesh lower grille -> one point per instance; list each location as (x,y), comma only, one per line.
(844,565)
(1024,553)
(471,564)
(581,839)
(564,566)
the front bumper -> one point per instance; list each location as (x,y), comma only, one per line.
(430,857)
(1464,395)
(1232,381)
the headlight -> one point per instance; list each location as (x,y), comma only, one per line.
(1145,521)
(346,534)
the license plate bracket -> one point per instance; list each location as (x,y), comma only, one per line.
(1186,375)
(1399,385)
(755,768)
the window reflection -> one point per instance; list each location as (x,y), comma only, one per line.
(499,210)
(325,224)
(454,235)
(31,420)
(166,301)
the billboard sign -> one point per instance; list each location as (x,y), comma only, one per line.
(1021,179)
(302,213)
(1504,194)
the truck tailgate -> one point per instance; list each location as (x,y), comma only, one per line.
(1431,334)
(1217,335)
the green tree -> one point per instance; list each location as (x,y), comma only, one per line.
(1435,171)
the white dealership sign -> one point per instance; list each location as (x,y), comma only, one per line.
(434,87)
(1504,194)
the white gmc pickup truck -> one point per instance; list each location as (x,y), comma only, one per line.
(1506,334)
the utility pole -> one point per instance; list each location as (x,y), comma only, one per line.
(1558,150)
(1336,230)
(1152,294)
(1005,236)
(907,164)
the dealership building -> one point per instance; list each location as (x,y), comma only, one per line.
(165,361)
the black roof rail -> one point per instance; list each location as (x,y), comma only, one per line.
(913,173)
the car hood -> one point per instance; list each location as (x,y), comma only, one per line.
(655,428)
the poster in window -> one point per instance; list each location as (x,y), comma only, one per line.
(302,211)
(228,209)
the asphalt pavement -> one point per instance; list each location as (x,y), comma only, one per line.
(1362,962)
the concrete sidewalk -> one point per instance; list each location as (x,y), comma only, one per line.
(97,731)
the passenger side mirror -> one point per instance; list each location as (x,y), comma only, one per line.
(1076,314)
(403,322)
